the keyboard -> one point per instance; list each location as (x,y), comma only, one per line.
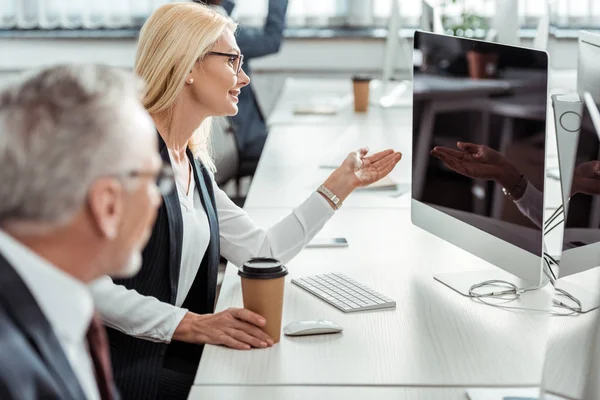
(344,293)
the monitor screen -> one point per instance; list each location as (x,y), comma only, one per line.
(479,126)
(582,222)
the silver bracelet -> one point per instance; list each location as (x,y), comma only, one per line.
(332,197)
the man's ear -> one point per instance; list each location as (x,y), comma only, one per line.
(105,201)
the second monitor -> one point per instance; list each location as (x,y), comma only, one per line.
(479,137)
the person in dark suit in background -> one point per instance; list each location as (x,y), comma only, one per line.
(78,162)
(249,125)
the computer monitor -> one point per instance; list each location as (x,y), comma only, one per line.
(581,224)
(493,97)
(581,233)
(579,151)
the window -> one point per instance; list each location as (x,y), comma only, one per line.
(110,14)
(576,14)
(75,14)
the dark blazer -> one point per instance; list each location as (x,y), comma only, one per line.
(249,124)
(137,363)
(32,363)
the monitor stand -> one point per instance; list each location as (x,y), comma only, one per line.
(533,299)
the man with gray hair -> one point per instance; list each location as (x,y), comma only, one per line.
(80,183)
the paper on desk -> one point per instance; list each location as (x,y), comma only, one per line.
(385,183)
(321,105)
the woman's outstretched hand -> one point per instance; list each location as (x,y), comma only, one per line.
(360,170)
(370,169)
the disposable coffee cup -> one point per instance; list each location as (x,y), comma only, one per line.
(360,84)
(262,289)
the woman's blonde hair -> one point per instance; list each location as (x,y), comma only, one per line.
(170,42)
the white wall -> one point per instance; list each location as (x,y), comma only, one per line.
(296,55)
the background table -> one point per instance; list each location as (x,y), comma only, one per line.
(434,337)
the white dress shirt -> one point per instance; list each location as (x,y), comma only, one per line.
(240,239)
(64,301)
(196,237)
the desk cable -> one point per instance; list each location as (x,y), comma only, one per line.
(549,261)
(555,215)
(560,304)
(510,292)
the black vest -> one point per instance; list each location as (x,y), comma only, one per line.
(137,363)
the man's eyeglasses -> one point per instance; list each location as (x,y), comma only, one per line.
(237,60)
(165,179)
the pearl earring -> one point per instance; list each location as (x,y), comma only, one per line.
(190,81)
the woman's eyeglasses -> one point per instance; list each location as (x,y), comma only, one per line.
(237,60)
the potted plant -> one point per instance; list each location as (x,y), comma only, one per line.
(459,20)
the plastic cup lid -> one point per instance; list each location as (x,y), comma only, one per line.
(361,78)
(262,268)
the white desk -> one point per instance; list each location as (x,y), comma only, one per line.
(435,337)
(297,91)
(289,169)
(568,354)
(302,91)
(287,187)
(324,393)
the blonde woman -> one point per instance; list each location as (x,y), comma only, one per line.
(160,319)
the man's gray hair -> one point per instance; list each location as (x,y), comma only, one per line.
(60,129)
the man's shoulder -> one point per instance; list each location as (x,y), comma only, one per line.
(23,375)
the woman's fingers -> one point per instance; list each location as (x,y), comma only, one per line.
(384,162)
(378,156)
(253,331)
(229,341)
(244,337)
(386,170)
(246,315)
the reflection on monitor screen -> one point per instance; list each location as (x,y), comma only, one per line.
(479,137)
(488,136)
(581,238)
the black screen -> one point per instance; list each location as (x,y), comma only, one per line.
(479,125)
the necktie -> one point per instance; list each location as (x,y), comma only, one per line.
(98,348)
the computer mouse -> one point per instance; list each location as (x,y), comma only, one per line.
(318,327)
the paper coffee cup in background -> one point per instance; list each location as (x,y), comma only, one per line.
(263,282)
(360,85)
